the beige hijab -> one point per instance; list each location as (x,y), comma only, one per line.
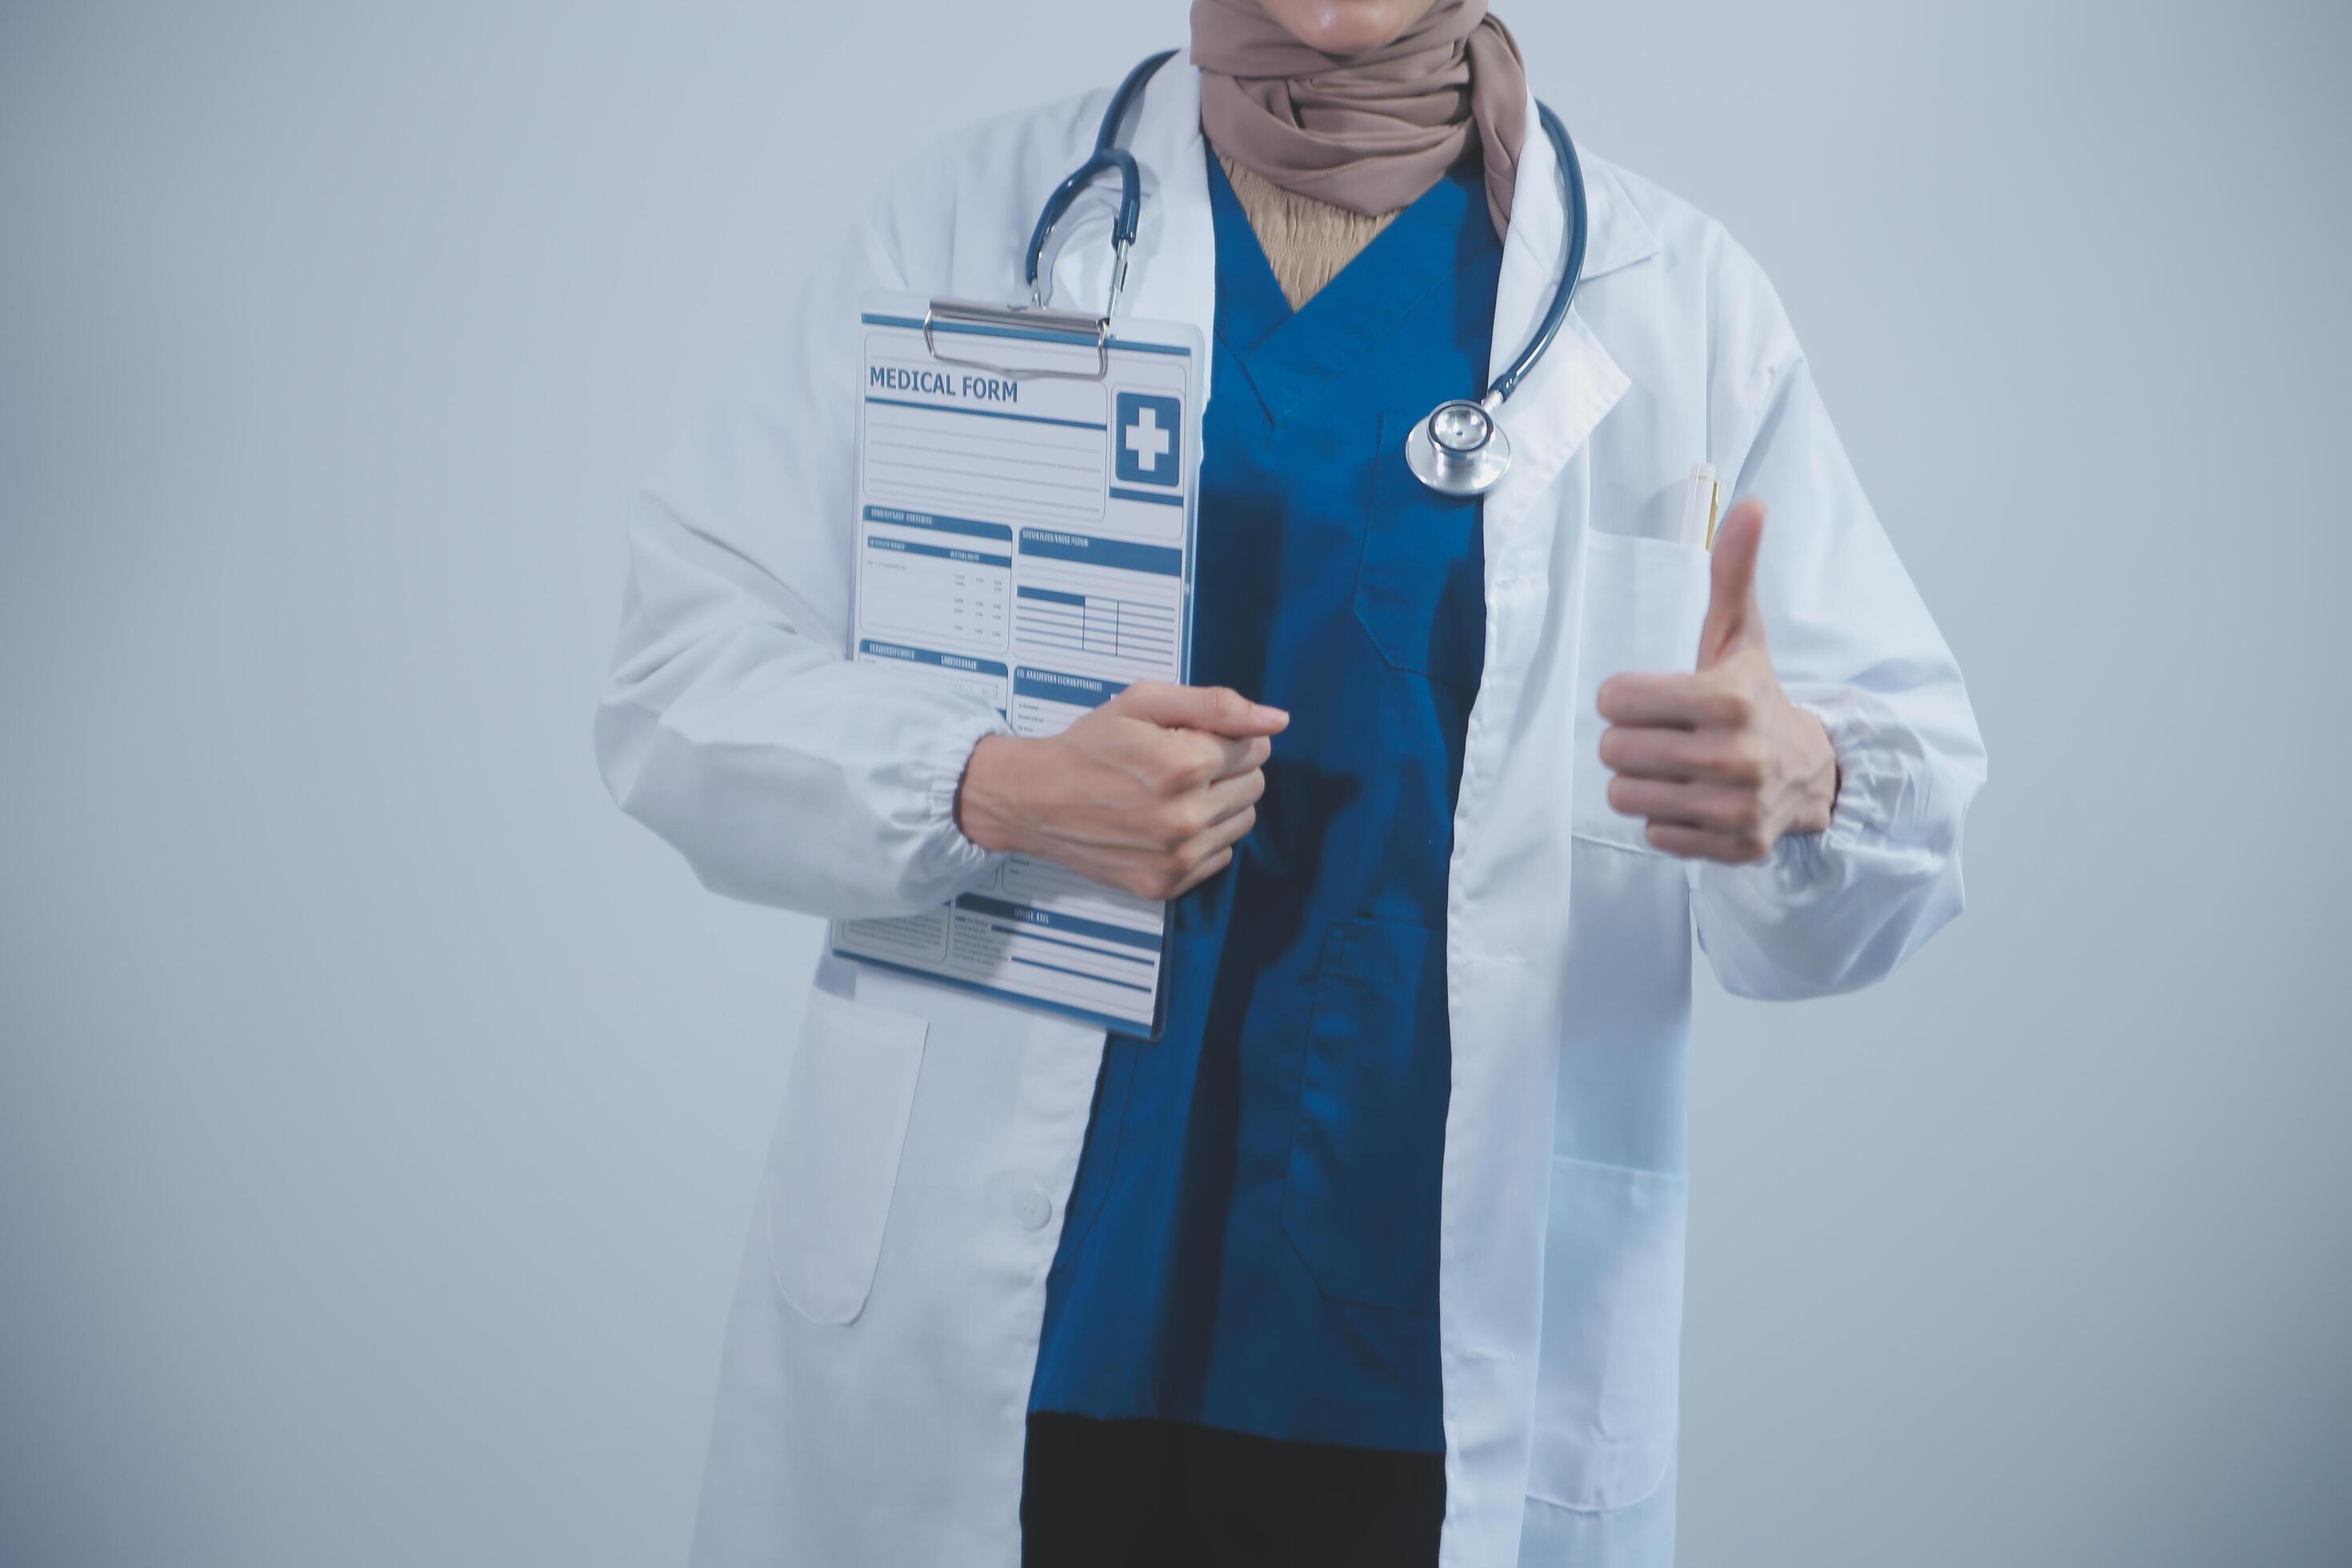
(1373,132)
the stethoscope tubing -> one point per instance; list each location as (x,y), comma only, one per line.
(1107,157)
(1444,469)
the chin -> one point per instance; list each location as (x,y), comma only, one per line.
(1346,27)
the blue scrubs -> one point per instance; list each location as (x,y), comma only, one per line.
(1252,1237)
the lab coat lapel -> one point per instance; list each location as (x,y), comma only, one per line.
(1575,384)
(1503,887)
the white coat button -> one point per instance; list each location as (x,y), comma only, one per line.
(1031,1208)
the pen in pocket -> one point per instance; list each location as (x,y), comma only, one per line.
(1702,503)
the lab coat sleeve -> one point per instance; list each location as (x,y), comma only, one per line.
(734,724)
(1854,645)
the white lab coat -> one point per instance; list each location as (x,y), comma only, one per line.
(886,1323)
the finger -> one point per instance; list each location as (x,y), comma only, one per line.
(1227,830)
(1219,709)
(1703,843)
(1706,755)
(1236,758)
(1202,872)
(1677,701)
(1211,850)
(1652,754)
(1732,616)
(1226,797)
(1725,808)
(1177,761)
(1683,757)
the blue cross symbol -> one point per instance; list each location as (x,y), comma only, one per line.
(1150,450)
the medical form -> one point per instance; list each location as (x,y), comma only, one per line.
(1025,518)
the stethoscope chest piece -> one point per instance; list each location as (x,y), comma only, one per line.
(1459,450)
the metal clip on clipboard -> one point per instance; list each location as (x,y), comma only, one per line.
(1027,319)
(1108,158)
(1035,317)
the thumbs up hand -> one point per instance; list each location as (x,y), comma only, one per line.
(1720,761)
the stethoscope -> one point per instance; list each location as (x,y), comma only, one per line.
(1460,449)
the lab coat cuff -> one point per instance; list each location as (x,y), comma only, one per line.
(1873,779)
(949,854)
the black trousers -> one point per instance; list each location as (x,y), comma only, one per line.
(1162,1494)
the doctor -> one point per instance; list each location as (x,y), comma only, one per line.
(1376,1257)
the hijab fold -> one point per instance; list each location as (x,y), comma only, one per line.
(1368,132)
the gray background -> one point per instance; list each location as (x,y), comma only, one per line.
(380,1111)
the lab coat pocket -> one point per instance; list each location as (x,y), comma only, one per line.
(1644,600)
(1420,593)
(835,1161)
(1368,1139)
(1608,1376)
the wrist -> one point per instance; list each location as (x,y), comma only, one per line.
(986,808)
(1816,770)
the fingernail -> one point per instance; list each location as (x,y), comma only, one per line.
(1271,715)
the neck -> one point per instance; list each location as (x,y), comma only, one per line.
(1305,241)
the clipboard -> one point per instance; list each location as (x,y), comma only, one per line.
(1027,510)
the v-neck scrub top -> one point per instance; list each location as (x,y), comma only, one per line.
(1251,1241)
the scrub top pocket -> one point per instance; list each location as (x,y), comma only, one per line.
(1369,1142)
(1421,592)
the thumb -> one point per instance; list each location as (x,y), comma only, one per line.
(1219,709)
(1733,619)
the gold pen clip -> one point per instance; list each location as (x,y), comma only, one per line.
(1702,506)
